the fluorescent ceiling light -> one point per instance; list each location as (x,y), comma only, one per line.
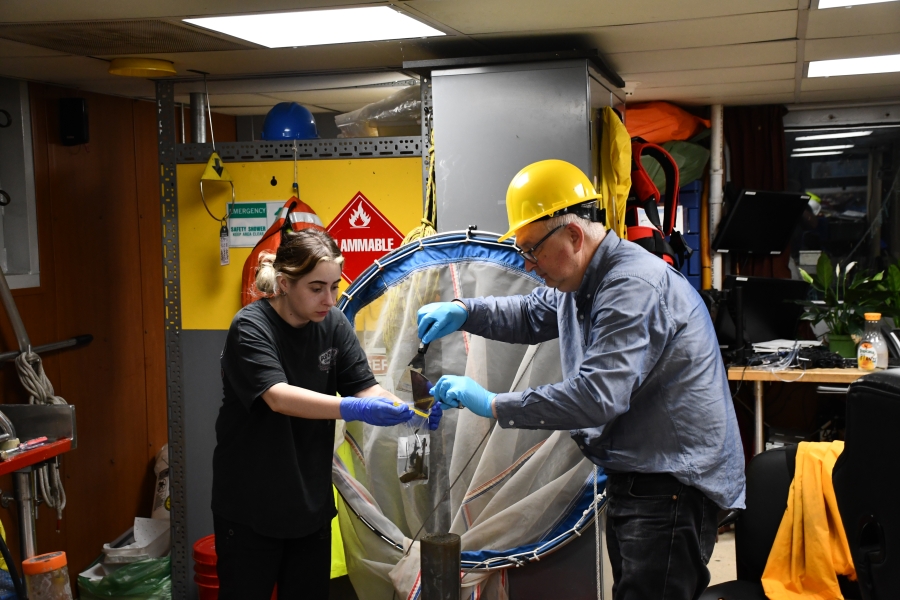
(832,136)
(823,148)
(816,154)
(866,65)
(845,3)
(318,27)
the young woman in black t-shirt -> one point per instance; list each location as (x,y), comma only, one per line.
(286,357)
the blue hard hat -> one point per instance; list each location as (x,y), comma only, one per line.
(289,121)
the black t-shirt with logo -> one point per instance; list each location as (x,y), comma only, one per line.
(271,471)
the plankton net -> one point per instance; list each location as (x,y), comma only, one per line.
(520,494)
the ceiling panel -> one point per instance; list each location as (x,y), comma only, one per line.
(714,90)
(889,92)
(481,17)
(247,110)
(342,108)
(29,10)
(9,49)
(868,19)
(320,59)
(762,53)
(710,76)
(810,84)
(130,87)
(360,96)
(57,69)
(726,99)
(295,83)
(697,33)
(219,100)
(852,47)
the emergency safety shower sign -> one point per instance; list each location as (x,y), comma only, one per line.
(363,234)
(248,221)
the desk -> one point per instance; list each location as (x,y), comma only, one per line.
(758,376)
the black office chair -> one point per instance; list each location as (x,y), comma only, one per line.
(866,484)
(769,477)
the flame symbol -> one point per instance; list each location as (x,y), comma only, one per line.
(359,215)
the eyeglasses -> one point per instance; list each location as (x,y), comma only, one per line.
(529,254)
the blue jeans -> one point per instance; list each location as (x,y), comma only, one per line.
(660,534)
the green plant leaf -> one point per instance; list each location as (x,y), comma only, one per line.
(893,278)
(825,271)
(807,277)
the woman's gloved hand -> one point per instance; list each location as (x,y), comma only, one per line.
(374,411)
(439,319)
(434,419)
(454,390)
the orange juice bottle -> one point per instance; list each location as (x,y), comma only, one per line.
(872,351)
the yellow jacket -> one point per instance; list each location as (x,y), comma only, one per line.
(810,549)
(615,170)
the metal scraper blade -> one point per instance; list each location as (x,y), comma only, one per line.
(421,387)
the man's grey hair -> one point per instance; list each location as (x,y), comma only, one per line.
(592,231)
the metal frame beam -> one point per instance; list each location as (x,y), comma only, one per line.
(165,109)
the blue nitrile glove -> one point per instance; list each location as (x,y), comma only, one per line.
(439,319)
(374,411)
(454,391)
(434,419)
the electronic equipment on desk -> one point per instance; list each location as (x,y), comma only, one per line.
(754,310)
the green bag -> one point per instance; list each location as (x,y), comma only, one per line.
(149,579)
(691,159)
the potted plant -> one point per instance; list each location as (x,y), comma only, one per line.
(845,299)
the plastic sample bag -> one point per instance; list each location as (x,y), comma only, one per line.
(398,114)
(144,580)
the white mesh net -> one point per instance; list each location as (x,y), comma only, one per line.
(516,491)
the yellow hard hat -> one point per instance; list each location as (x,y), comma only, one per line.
(543,188)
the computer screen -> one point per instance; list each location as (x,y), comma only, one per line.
(760,222)
(770,312)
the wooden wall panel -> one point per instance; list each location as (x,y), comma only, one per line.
(100,252)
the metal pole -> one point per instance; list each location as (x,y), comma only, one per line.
(181,120)
(717,144)
(25,512)
(439,563)
(198,117)
(758,395)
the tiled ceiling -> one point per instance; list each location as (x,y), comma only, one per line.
(688,51)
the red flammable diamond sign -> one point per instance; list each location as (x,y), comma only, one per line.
(363,234)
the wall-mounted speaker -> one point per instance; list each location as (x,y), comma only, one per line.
(73,121)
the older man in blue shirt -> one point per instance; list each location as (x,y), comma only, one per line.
(644,395)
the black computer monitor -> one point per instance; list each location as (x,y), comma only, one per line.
(760,222)
(770,312)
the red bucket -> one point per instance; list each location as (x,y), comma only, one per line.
(205,550)
(205,575)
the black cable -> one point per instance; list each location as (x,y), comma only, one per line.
(13,572)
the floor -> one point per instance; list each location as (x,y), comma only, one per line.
(722,565)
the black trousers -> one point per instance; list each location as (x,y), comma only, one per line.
(660,535)
(249,564)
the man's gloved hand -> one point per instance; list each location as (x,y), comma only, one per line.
(453,391)
(374,411)
(434,419)
(439,319)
